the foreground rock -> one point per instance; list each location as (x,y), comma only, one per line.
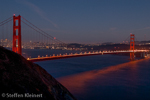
(20,78)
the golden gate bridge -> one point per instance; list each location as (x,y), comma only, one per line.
(42,38)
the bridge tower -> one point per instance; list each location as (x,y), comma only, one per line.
(132,46)
(17,34)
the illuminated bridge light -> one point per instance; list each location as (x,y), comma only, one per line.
(28,58)
(38,56)
(46,55)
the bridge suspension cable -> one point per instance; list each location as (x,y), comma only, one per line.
(38,30)
(5,29)
(6,21)
(127,39)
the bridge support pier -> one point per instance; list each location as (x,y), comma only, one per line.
(17,35)
(144,54)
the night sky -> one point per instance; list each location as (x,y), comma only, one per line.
(84,21)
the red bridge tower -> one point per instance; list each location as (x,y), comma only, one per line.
(132,46)
(17,34)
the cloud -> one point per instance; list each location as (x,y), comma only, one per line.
(39,11)
(113,28)
(146,28)
(61,31)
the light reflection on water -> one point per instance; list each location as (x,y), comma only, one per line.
(128,81)
(101,77)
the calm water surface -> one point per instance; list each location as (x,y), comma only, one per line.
(101,77)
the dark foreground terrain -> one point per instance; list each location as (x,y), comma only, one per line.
(21,79)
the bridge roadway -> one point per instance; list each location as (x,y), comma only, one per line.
(81,54)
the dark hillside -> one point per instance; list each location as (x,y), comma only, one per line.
(19,77)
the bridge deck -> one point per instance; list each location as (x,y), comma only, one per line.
(80,54)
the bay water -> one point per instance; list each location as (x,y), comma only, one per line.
(99,77)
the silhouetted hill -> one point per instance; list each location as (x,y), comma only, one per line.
(19,77)
(74,45)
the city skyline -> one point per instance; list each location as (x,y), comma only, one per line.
(84,21)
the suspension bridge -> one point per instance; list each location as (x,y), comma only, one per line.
(22,37)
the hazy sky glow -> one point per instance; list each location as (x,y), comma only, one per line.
(84,21)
